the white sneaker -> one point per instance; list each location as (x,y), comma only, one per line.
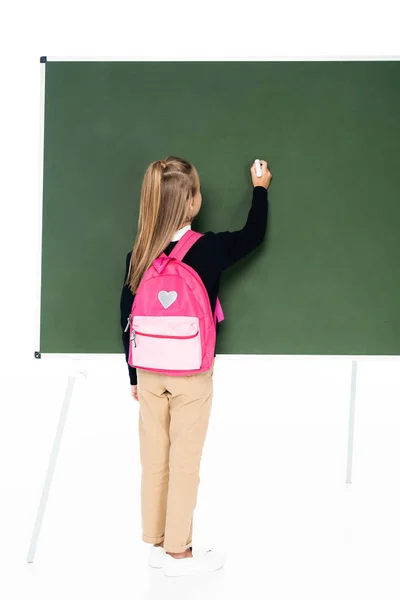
(203,561)
(156,556)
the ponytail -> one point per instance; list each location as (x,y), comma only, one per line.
(167,188)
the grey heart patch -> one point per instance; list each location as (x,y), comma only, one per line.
(167,298)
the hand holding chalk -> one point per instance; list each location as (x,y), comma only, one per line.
(260,173)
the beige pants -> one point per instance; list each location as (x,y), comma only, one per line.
(173,421)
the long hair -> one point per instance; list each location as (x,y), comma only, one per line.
(167,188)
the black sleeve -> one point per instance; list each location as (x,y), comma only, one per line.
(231,246)
(125,306)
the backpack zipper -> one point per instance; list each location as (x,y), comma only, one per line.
(169,337)
(128,324)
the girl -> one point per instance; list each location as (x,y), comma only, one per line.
(174,410)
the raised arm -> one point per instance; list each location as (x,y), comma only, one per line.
(231,246)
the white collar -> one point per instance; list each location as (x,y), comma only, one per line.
(180,233)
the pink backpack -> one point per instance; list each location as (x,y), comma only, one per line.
(172,328)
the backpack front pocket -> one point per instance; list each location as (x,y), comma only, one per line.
(166,343)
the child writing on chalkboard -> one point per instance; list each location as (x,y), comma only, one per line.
(171,272)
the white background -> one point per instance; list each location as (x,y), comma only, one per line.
(273,494)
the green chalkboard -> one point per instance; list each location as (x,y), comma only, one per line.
(326,280)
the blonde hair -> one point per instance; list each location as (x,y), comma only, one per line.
(167,188)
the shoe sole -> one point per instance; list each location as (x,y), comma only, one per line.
(190,572)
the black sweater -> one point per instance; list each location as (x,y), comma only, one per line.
(209,256)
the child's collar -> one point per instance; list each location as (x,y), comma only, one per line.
(180,233)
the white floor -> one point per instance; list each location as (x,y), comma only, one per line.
(272,495)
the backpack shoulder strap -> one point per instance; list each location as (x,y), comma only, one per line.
(184,244)
(181,248)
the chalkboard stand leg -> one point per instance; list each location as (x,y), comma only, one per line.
(351,420)
(74,373)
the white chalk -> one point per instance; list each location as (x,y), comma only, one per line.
(258,167)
